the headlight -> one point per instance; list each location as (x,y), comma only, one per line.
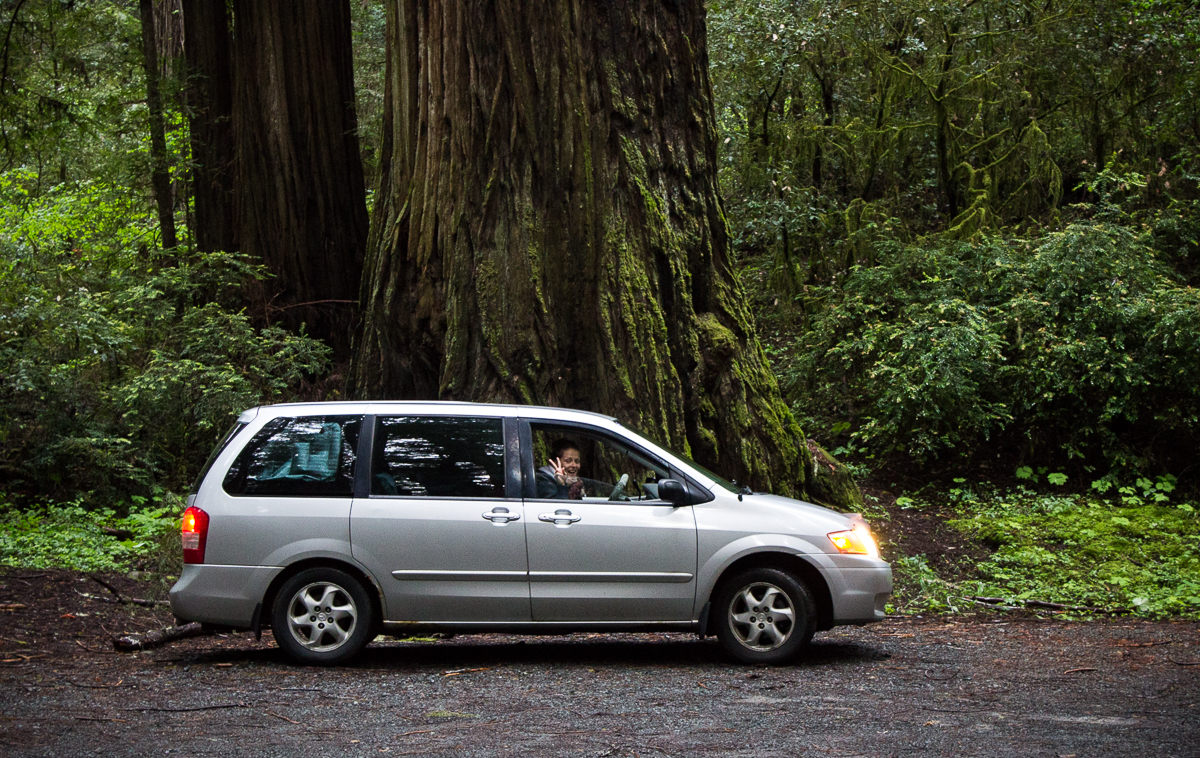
(856,541)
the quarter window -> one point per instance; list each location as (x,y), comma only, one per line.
(310,456)
(438,456)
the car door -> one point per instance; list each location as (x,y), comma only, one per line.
(443,524)
(592,559)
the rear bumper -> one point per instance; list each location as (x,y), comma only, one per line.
(860,594)
(222,595)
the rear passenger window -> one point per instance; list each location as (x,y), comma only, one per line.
(438,456)
(310,456)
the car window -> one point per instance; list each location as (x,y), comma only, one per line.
(438,456)
(571,463)
(309,456)
(212,458)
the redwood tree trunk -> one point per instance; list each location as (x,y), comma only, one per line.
(210,102)
(547,228)
(301,200)
(160,174)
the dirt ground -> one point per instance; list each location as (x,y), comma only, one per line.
(992,685)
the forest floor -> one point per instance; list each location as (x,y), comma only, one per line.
(968,685)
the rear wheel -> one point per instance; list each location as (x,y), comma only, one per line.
(766,615)
(322,616)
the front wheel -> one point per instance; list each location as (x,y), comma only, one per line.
(322,616)
(766,616)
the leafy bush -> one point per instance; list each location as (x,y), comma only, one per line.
(71,536)
(1077,345)
(123,365)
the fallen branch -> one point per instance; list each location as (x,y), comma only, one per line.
(999,601)
(124,600)
(159,637)
(188,710)
(121,534)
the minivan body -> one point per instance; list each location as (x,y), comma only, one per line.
(335,522)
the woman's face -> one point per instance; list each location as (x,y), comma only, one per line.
(570,461)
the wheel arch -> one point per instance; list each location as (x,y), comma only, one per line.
(374,592)
(793,564)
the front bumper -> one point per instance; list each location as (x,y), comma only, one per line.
(860,593)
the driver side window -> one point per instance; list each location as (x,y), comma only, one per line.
(574,464)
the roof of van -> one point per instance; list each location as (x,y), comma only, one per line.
(438,403)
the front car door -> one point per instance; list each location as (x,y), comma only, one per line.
(592,558)
(443,526)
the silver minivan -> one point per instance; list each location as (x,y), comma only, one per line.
(333,523)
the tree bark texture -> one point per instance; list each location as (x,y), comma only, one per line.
(210,106)
(548,231)
(160,173)
(300,194)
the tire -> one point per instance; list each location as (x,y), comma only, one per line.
(764,616)
(322,617)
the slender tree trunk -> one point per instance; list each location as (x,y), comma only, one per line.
(210,102)
(548,230)
(942,116)
(160,175)
(300,195)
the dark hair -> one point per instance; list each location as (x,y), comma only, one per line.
(562,444)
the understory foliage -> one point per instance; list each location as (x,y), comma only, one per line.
(1138,553)
(72,536)
(1080,345)
(972,228)
(122,365)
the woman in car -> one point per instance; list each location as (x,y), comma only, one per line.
(559,478)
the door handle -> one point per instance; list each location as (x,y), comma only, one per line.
(561,517)
(500,516)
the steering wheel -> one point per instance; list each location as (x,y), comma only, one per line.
(619,489)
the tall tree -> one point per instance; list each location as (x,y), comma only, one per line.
(160,173)
(548,230)
(301,200)
(210,106)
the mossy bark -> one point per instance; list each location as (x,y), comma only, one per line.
(548,230)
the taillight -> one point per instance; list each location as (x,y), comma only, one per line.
(195,534)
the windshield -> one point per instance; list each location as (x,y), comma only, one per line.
(719,480)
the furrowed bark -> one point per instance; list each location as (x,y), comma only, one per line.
(160,175)
(548,231)
(301,200)
(210,105)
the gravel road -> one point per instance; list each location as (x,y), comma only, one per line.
(905,687)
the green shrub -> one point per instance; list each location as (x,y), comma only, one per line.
(1077,345)
(123,365)
(71,536)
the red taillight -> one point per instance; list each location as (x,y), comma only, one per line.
(195,534)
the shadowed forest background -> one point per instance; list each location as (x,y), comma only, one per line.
(956,245)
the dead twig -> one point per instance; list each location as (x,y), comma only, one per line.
(124,600)
(188,710)
(1076,671)
(285,718)
(1183,663)
(999,602)
(94,686)
(97,718)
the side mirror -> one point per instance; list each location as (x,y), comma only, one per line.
(672,491)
